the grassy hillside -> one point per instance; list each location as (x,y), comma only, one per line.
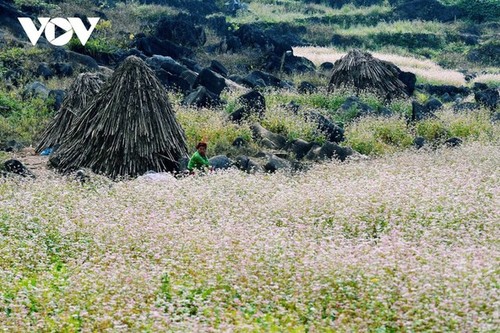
(437,52)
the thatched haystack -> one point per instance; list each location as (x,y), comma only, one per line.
(80,93)
(128,129)
(361,71)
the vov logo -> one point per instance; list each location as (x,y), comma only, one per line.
(70,25)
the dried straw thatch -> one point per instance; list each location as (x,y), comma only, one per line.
(128,129)
(360,70)
(80,93)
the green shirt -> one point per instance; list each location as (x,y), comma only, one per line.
(197,162)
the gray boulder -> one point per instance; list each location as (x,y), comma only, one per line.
(263,135)
(275,163)
(36,89)
(300,148)
(214,82)
(201,97)
(220,162)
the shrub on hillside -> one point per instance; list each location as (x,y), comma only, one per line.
(378,136)
(212,127)
(480,10)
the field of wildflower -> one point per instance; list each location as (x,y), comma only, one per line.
(406,242)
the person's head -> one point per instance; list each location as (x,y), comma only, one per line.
(202,148)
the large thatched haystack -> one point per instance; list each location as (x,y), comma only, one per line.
(361,71)
(128,129)
(80,93)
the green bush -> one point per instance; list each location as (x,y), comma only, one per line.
(480,10)
(212,127)
(292,126)
(475,125)
(377,136)
(23,120)
(432,129)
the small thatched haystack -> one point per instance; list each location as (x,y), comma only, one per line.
(80,93)
(128,129)
(360,70)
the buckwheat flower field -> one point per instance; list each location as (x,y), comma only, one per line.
(406,243)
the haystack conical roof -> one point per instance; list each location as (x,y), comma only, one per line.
(360,70)
(80,93)
(128,129)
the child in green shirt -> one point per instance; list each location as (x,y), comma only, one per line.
(199,159)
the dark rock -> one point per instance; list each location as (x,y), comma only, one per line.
(332,150)
(439,90)
(35,89)
(157,62)
(180,31)
(15,166)
(172,81)
(220,162)
(14,76)
(446,98)
(58,96)
(489,98)
(233,6)
(342,40)
(252,36)
(326,66)
(202,97)
(152,45)
(275,163)
(82,59)
(466,106)
(81,177)
(265,136)
(313,153)
(478,86)
(191,64)
(219,68)
(418,111)
(409,79)
(189,76)
(333,132)
(12,146)
(418,142)
(432,105)
(229,44)
(453,142)
(253,101)
(495,117)
(238,115)
(300,148)
(354,104)
(307,88)
(487,53)
(44,71)
(239,142)
(261,79)
(211,80)
(469,39)
(289,64)
(242,162)
(121,55)
(8,18)
(246,164)
(63,69)
(428,10)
